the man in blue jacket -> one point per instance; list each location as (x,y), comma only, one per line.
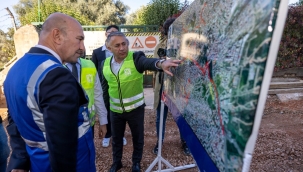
(46,103)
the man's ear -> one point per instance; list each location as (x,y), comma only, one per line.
(56,35)
(108,47)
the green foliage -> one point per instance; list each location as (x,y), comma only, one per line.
(7,46)
(87,12)
(104,12)
(29,12)
(291,46)
(156,12)
(136,18)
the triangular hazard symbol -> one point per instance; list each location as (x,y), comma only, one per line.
(137,44)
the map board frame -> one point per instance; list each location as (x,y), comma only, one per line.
(204,160)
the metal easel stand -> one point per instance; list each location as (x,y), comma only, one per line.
(159,159)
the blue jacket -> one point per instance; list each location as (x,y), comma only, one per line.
(49,109)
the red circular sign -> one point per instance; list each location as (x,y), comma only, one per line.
(150,42)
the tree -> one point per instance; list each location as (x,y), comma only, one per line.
(87,12)
(110,12)
(136,18)
(102,12)
(27,11)
(7,46)
(157,11)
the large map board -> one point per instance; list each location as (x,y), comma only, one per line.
(227,48)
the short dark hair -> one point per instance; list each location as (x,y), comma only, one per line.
(166,25)
(112,26)
(115,34)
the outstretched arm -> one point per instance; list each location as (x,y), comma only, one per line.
(142,63)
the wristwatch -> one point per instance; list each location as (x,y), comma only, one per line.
(161,61)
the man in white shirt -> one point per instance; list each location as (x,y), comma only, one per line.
(98,106)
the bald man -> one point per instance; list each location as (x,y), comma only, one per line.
(47,106)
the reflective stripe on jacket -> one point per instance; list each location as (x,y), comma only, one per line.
(31,123)
(125,89)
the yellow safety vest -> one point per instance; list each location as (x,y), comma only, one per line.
(88,77)
(125,89)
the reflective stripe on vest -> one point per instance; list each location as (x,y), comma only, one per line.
(43,68)
(125,89)
(88,78)
(127,108)
(128,100)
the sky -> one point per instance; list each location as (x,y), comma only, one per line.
(5,20)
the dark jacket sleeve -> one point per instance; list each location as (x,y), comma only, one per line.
(143,63)
(59,99)
(19,158)
(104,85)
(95,59)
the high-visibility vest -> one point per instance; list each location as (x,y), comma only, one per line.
(125,88)
(87,80)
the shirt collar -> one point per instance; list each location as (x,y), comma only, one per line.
(104,48)
(78,62)
(49,50)
(114,61)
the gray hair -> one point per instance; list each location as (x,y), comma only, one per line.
(112,34)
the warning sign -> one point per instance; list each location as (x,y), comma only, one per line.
(138,41)
(137,44)
(142,40)
(150,42)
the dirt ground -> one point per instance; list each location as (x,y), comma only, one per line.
(280,139)
(278,148)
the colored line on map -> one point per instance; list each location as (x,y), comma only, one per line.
(204,69)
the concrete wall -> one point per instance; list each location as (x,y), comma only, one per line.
(25,38)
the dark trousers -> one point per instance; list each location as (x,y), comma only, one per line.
(135,120)
(108,125)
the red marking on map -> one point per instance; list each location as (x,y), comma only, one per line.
(204,69)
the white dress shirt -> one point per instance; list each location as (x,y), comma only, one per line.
(49,50)
(116,66)
(98,94)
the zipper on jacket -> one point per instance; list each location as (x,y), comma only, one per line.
(120,93)
(119,87)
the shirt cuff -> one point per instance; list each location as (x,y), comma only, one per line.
(103,120)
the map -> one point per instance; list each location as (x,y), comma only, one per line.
(223,45)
